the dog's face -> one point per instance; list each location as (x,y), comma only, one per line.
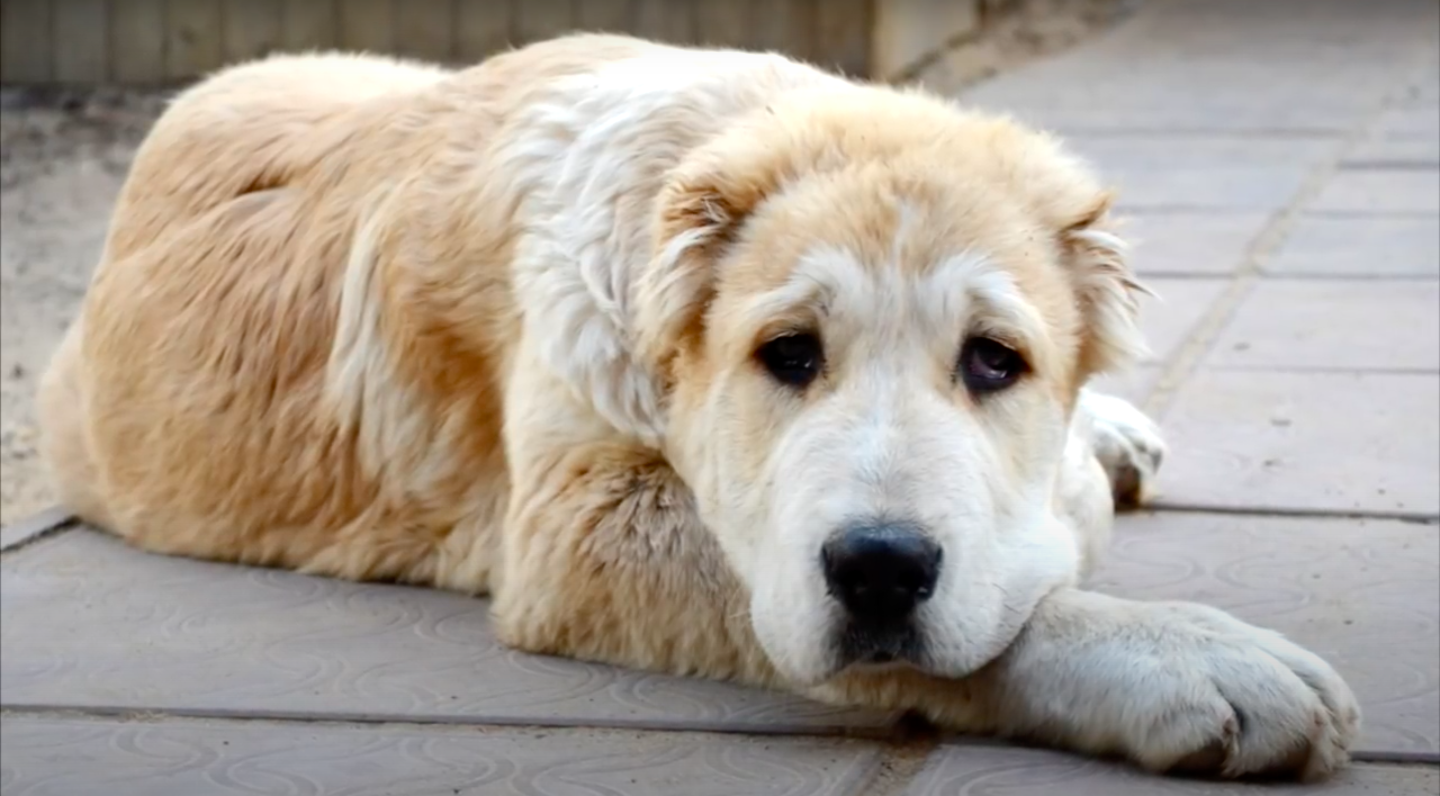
(874,315)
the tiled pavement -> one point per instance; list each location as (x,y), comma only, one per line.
(1281,162)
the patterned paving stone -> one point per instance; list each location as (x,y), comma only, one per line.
(1334,324)
(1408,191)
(1190,243)
(965,769)
(1360,246)
(93,623)
(1307,441)
(72,756)
(1363,594)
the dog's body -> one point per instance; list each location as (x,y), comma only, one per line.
(663,349)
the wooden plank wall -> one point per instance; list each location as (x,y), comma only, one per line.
(166,41)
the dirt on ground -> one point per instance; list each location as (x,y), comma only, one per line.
(64,155)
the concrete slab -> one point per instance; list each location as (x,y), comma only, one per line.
(1134,385)
(1385,152)
(83,756)
(1315,67)
(1360,246)
(1203,173)
(960,768)
(1307,441)
(91,623)
(1363,594)
(1171,315)
(1381,191)
(1191,243)
(1343,324)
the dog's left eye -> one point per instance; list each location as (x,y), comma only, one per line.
(794,359)
(987,365)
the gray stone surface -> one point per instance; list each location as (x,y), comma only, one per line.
(1228,66)
(33,527)
(1211,244)
(969,769)
(1418,120)
(1340,324)
(1345,588)
(58,756)
(1384,151)
(1134,384)
(1380,191)
(91,623)
(1341,442)
(1360,246)
(1203,173)
(1168,317)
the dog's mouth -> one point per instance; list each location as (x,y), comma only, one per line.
(868,646)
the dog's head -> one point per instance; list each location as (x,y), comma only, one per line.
(872,313)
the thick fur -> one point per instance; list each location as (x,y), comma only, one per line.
(493,330)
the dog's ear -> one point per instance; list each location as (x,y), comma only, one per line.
(699,212)
(1105,287)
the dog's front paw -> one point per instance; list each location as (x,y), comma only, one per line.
(1128,445)
(1214,696)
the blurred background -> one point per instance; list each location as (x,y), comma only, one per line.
(148,42)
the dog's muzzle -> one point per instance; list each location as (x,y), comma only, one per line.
(880,573)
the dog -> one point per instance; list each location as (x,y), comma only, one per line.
(694,360)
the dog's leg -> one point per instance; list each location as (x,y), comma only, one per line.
(1170,686)
(606,561)
(1126,442)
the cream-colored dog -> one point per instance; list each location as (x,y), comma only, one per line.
(698,361)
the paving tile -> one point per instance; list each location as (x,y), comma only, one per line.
(1305,441)
(966,769)
(69,756)
(1168,317)
(1210,173)
(1184,151)
(1342,588)
(1190,243)
(33,527)
(1416,119)
(91,622)
(1334,324)
(1394,152)
(1414,191)
(1368,246)
(1134,385)
(1167,322)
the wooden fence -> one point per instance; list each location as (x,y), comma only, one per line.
(141,42)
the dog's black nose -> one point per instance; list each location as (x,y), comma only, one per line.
(881,572)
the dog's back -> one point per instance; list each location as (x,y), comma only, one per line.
(221,393)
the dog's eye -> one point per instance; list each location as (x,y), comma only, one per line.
(987,365)
(794,359)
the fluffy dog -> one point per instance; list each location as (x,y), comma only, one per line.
(700,361)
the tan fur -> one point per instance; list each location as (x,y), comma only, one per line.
(309,344)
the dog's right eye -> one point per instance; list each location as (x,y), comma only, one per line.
(795,359)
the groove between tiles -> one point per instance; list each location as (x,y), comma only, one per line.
(1416,517)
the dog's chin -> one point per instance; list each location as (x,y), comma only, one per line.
(860,648)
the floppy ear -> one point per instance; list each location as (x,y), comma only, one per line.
(1106,289)
(699,212)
